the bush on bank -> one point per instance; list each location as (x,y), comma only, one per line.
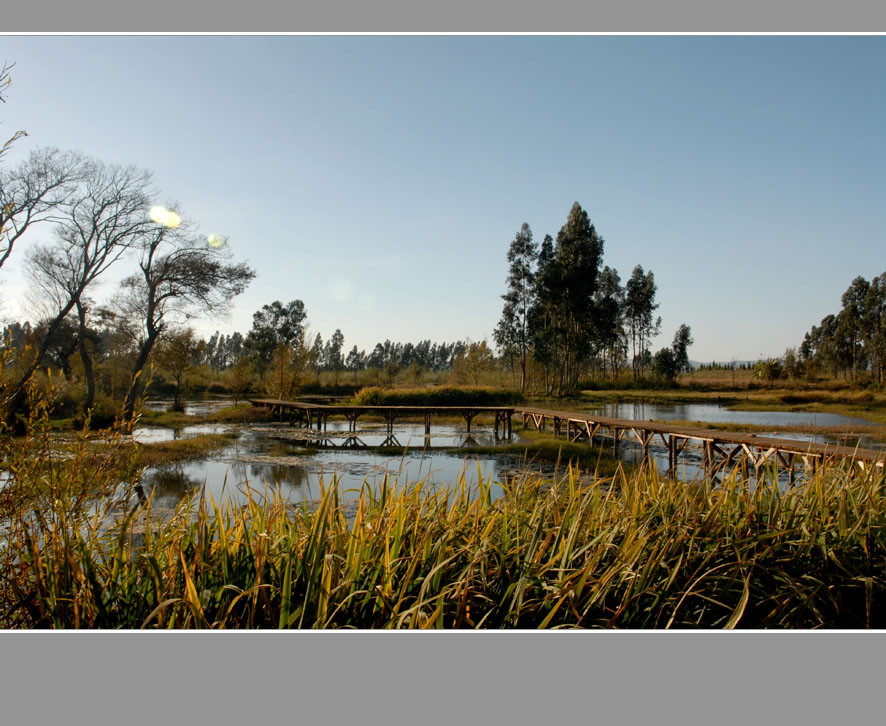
(438,396)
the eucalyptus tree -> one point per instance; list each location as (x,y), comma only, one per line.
(333,353)
(513,334)
(567,284)
(106,216)
(356,361)
(609,328)
(640,307)
(180,275)
(874,326)
(317,354)
(853,340)
(541,314)
(273,326)
(680,346)
(851,323)
(473,362)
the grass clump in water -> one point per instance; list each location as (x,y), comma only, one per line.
(439,396)
(187,449)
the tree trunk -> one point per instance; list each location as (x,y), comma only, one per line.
(177,397)
(88,371)
(16,401)
(137,384)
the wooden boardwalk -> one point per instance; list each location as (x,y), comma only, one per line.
(314,414)
(720,449)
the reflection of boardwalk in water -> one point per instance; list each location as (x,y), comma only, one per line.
(354,441)
(348,441)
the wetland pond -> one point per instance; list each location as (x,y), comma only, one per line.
(299,462)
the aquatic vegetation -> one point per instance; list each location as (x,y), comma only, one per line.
(611,550)
(632,551)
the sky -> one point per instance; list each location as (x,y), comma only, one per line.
(381,179)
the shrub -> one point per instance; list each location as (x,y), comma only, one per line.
(440,396)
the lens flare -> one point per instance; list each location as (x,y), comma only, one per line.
(161,215)
(340,289)
(215,240)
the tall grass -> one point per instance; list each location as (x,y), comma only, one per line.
(632,551)
(629,550)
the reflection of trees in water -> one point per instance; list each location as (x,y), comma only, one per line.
(259,474)
(169,484)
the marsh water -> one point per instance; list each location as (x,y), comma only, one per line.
(716,413)
(275,456)
(298,463)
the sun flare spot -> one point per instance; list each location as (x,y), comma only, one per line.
(161,215)
(215,240)
(340,289)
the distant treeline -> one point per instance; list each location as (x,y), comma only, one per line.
(273,356)
(852,342)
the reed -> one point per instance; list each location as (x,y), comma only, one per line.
(622,550)
(629,551)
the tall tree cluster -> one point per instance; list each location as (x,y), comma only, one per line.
(570,315)
(851,342)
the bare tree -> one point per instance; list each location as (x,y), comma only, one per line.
(39,189)
(105,218)
(180,275)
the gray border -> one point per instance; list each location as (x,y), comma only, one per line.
(454,16)
(689,678)
(408,678)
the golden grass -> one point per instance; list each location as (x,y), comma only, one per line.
(627,550)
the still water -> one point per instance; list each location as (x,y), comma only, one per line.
(299,462)
(715,413)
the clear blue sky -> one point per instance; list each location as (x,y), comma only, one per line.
(381,179)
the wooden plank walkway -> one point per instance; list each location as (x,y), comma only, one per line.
(720,449)
(311,414)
